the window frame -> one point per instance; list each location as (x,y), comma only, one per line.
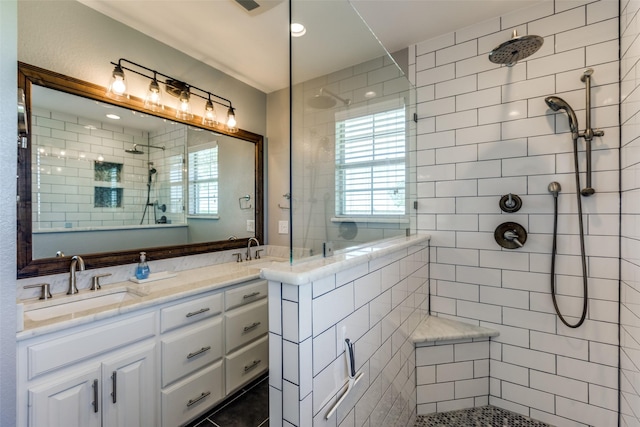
(341,165)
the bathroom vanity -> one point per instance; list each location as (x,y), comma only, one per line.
(161,356)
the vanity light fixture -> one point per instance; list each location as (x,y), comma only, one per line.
(153,100)
(231,120)
(179,89)
(184,106)
(209,116)
(117,86)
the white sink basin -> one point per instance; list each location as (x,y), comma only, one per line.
(68,308)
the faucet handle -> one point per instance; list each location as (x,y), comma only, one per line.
(238,256)
(258,253)
(45,291)
(95,281)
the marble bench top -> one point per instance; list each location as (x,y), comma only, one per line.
(434,329)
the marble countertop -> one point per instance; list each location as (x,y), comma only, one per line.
(309,269)
(186,283)
(181,285)
(434,329)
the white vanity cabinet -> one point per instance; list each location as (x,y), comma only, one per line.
(192,350)
(102,376)
(161,365)
(246,334)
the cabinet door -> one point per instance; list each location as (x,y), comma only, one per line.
(70,402)
(129,388)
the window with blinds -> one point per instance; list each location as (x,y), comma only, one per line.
(203,180)
(176,184)
(370,163)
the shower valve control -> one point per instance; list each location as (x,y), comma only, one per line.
(510,203)
(510,235)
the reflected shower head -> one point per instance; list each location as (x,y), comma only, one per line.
(326,99)
(556,103)
(134,150)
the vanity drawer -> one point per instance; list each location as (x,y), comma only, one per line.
(245,294)
(247,363)
(184,353)
(245,324)
(189,312)
(188,399)
(66,351)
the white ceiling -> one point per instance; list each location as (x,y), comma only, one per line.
(253,47)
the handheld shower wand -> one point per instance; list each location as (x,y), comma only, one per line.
(556,103)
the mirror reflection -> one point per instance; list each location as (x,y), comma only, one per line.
(146,180)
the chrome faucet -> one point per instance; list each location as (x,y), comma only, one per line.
(76,261)
(252,239)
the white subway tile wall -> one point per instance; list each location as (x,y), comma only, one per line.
(377,305)
(452,375)
(629,228)
(492,134)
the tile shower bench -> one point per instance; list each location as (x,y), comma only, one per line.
(452,365)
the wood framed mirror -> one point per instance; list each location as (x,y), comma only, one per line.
(31,79)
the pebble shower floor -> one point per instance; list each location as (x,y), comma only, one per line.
(483,416)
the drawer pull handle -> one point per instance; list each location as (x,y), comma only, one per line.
(254,294)
(253,365)
(252,326)
(195,313)
(95,396)
(114,385)
(198,399)
(195,353)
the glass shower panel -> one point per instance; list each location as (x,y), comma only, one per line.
(353,134)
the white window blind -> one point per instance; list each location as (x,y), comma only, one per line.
(370,163)
(176,184)
(203,179)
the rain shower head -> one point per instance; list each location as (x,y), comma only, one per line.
(134,150)
(512,51)
(556,103)
(326,99)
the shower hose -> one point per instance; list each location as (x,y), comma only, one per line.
(582,250)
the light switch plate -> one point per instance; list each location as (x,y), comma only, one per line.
(251,225)
(283,227)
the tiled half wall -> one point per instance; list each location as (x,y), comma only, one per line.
(377,305)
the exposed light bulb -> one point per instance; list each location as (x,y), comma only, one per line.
(153,100)
(184,106)
(118,86)
(231,120)
(209,116)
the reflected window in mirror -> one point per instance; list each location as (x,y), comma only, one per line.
(203,180)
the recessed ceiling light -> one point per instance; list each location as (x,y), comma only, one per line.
(90,127)
(113,117)
(298,30)
(370,94)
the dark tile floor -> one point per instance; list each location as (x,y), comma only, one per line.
(248,407)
